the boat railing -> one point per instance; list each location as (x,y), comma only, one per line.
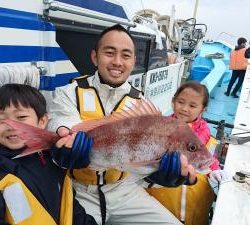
(223,138)
(62,7)
(227,38)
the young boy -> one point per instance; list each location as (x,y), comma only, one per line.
(34,190)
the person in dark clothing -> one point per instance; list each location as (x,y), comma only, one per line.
(238,63)
(34,189)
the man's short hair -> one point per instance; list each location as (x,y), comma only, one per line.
(116,27)
(241,41)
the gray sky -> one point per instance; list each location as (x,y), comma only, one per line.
(230,16)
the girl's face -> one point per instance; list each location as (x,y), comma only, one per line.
(188,105)
(8,136)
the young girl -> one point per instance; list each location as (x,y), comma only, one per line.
(189,102)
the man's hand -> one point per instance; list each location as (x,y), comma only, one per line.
(73,151)
(187,169)
(176,166)
(174,170)
(63,131)
(67,137)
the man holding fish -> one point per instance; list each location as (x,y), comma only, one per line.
(125,141)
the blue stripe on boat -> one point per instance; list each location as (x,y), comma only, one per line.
(50,83)
(10,54)
(23,20)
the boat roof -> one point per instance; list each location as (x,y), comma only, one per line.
(111,8)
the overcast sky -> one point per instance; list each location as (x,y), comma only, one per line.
(230,16)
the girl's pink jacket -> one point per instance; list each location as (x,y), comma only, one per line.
(200,127)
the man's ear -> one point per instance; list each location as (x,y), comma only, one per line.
(93,57)
(42,123)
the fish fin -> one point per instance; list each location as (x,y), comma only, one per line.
(139,108)
(35,138)
(26,131)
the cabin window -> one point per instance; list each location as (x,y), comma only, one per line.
(157,58)
(142,47)
(77,44)
(79,39)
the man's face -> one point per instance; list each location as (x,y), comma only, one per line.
(27,115)
(115,57)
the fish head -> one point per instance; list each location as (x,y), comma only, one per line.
(184,140)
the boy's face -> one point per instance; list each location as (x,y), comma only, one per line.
(8,136)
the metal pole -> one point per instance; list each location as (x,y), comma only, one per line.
(195,8)
(57,6)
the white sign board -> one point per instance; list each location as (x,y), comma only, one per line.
(161,85)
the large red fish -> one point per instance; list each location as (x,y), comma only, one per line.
(133,138)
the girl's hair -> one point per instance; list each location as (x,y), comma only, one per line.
(24,95)
(196,86)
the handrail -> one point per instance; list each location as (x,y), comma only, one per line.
(143,18)
(57,6)
(230,40)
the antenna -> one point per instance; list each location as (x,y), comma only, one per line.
(195,8)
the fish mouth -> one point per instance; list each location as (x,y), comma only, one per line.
(203,171)
(203,166)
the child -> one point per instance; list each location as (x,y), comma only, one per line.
(189,102)
(34,190)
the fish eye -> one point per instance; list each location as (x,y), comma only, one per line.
(191,147)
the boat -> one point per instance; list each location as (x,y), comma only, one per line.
(55,38)
(58,36)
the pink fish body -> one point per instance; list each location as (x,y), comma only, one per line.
(139,137)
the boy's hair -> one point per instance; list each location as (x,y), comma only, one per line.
(241,41)
(196,86)
(24,95)
(116,27)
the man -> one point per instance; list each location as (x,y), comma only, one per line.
(121,199)
(238,63)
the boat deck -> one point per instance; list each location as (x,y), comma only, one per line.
(220,107)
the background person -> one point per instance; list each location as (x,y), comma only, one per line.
(238,64)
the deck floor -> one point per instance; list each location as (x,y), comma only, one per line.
(221,107)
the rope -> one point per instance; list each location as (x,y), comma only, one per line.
(20,74)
